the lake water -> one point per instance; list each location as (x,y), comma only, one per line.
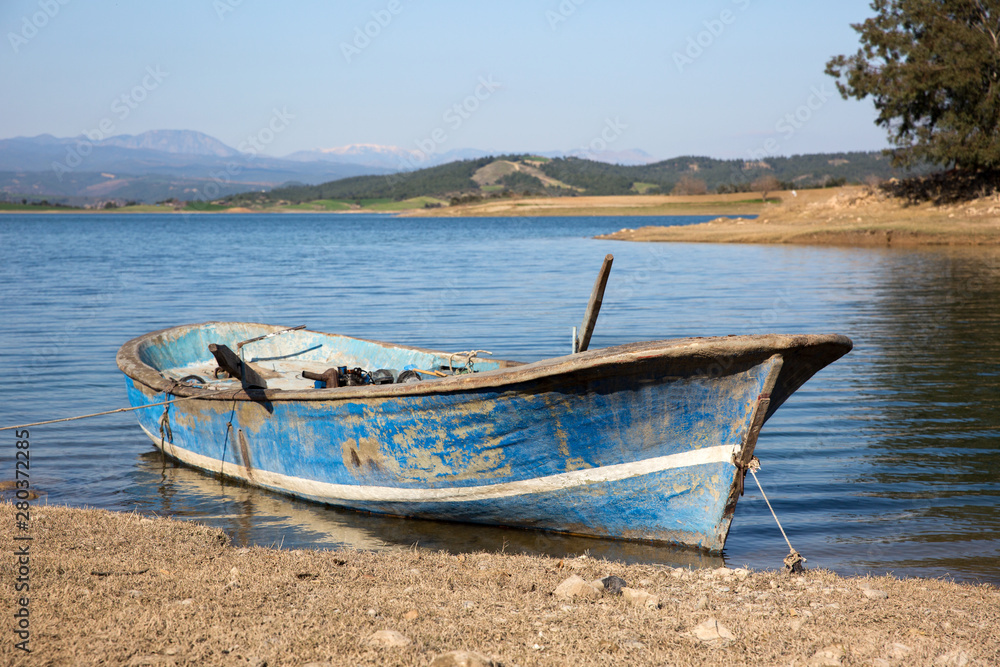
(887,461)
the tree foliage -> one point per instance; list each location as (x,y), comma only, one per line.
(689,185)
(765,185)
(932,68)
(522,182)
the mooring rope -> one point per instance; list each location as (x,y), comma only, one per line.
(101,414)
(794,560)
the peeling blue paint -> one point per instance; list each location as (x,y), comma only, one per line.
(524,431)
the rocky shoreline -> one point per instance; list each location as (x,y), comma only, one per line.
(116,588)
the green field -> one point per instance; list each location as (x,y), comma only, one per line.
(34,208)
(406,204)
(146,208)
(321,205)
(203,206)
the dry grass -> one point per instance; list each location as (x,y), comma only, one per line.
(120,589)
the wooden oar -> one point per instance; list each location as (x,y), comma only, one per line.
(594,307)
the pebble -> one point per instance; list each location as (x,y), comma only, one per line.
(462,659)
(957,658)
(702,603)
(613,585)
(388,638)
(640,598)
(713,633)
(411,615)
(831,656)
(874,594)
(899,651)
(576,587)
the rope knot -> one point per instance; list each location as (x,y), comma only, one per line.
(753,465)
(793,562)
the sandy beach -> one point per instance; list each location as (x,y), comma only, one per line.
(851,216)
(639,205)
(126,589)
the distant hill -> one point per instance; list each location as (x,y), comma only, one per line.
(532,174)
(799,171)
(454,177)
(391,158)
(628,157)
(186,142)
(149,167)
(80,188)
(400,159)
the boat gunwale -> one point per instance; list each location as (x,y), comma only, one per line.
(713,349)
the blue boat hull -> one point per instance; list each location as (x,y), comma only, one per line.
(642,442)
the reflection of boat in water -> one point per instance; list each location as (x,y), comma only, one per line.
(255,516)
(248,514)
(645,442)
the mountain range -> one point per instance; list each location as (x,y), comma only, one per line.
(188,165)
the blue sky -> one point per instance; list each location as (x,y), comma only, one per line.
(726,78)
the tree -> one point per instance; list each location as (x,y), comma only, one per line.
(932,68)
(765,185)
(689,185)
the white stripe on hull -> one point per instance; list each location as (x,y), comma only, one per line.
(549,483)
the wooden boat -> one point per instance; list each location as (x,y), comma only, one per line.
(648,441)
